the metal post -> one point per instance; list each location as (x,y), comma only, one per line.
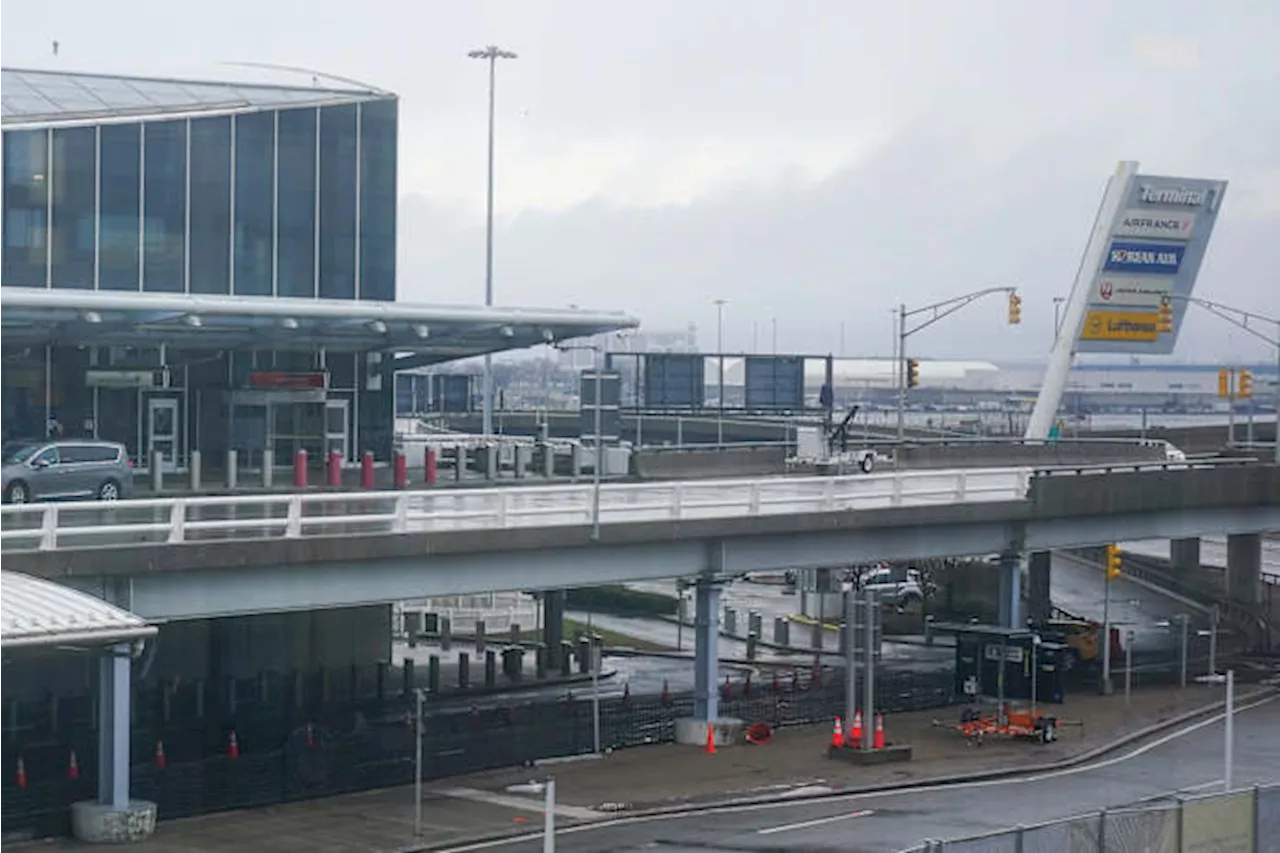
(1213,641)
(549,818)
(1035,665)
(720,358)
(595,695)
(417,761)
(1106,632)
(850,656)
(1128,666)
(869,670)
(595,471)
(900,367)
(681,611)
(1185,619)
(1277,400)
(1229,744)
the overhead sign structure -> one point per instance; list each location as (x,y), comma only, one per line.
(1151,253)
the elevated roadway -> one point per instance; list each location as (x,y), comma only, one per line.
(192,558)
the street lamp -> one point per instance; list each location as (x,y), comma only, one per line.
(1228,744)
(490,54)
(936,312)
(720,303)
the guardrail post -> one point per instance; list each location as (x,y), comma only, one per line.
(402,514)
(49,528)
(193,470)
(575,461)
(962,486)
(677,497)
(178,521)
(829,495)
(896,495)
(156,469)
(502,507)
(293,521)
(753,499)
(548,460)
(233,469)
(268,468)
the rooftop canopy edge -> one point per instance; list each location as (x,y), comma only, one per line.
(37,613)
(39,316)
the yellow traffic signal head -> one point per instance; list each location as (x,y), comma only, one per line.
(1113,561)
(1244,384)
(1165,322)
(1224,383)
(913,373)
(1015,309)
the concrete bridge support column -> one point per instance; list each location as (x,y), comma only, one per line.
(1244,567)
(1184,554)
(1010,595)
(553,625)
(1039,575)
(706,720)
(113,817)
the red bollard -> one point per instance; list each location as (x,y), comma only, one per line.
(300,469)
(335,468)
(366,470)
(400,470)
(429,463)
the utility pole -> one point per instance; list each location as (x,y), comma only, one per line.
(491,54)
(720,303)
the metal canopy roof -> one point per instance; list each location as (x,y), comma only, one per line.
(36,613)
(31,97)
(38,316)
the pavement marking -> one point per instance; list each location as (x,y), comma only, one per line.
(925,788)
(805,824)
(518,803)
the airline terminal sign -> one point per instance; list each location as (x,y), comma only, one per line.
(1155,245)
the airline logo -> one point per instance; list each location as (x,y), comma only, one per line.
(1145,223)
(1135,291)
(1120,326)
(1156,258)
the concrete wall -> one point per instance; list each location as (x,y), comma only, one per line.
(658,463)
(977,455)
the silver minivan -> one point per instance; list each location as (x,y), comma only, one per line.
(66,469)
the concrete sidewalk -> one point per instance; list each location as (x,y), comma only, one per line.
(470,807)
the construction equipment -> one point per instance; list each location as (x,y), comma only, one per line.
(1081,636)
(1021,724)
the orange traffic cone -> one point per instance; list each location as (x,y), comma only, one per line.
(837,734)
(161,761)
(73,767)
(233,746)
(855,731)
(878,743)
(711,740)
(21,775)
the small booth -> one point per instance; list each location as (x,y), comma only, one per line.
(1030,663)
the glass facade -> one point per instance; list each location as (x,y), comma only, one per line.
(297,202)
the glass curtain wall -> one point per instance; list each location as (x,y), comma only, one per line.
(293,202)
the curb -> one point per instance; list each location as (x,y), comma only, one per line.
(926,782)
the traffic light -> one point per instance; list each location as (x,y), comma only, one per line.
(913,373)
(1015,309)
(1244,384)
(1165,324)
(1224,383)
(1113,562)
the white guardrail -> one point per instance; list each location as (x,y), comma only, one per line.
(54,526)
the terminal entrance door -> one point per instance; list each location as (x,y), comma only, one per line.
(335,427)
(162,435)
(296,426)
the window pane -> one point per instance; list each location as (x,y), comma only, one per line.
(338,202)
(378,200)
(74,152)
(255,217)
(296,198)
(118,215)
(211,205)
(26,207)
(164,206)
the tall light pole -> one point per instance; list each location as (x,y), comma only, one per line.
(720,303)
(491,54)
(598,366)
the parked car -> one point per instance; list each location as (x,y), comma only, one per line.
(66,469)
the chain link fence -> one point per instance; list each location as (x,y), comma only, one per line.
(1246,821)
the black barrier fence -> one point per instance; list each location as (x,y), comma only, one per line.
(364,745)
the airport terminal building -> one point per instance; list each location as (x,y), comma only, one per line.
(205,265)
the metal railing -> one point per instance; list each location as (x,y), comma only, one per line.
(1246,820)
(52,526)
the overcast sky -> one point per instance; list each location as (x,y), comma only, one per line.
(813,162)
